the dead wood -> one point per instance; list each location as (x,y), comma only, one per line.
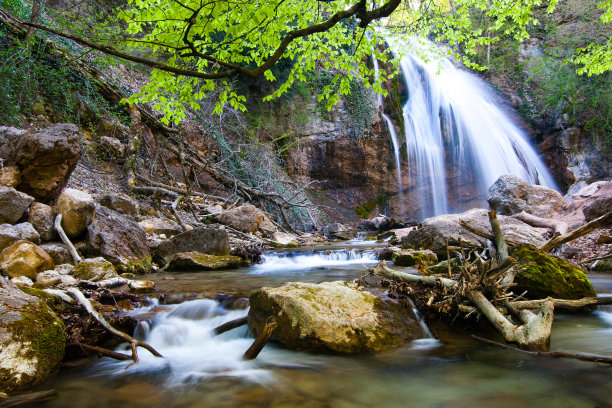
(100,351)
(260,341)
(559,227)
(498,237)
(383,270)
(28,398)
(232,324)
(565,304)
(73,252)
(578,232)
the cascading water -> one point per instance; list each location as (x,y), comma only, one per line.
(282,262)
(459,141)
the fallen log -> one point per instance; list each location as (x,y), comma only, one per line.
(565,304)
(578,232)
(498,237)
(232,324)
(383,270)
(260,341)
(559,227)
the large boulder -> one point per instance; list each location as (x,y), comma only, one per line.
(94,269)
(511,194)
(156,225)
(247,218)
(380,223)
(45,157)
(119,239)
(543,275)
(331,316)
(24,258)
(436,231)
(42,218)
(120,203)
(32,339)
(212,241)
(13,204)
(77,209)
(335,230)
(194,261)
(600,206)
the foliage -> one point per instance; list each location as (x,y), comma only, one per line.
(596,59)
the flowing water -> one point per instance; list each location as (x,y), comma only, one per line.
(458,138)
(201,370)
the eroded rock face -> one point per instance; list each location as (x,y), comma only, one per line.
(511,194)
(77,209)
(119,239)
(13,204)
(24,258)
(247,218)
(31,339)
(212,241)
(193,261)
(45,158)
(10,176)
(331,316)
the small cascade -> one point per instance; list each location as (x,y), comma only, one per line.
(284,261)
(459,141)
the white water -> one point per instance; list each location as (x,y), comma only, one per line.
(280,262)
(451,118)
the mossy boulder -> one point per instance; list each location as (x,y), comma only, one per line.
(94,269)
(413,258)
(332,316)
(193,261)
(543,275)
(32,338)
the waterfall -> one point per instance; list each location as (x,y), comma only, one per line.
(459,141)
(284,261)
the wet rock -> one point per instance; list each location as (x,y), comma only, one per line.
(120,203)
(119,239)
(381,223)
(600,206)
(335,230)
(45,158)
(283,240)
(111,147)
(24,258)
(10,176)
(436,231)
(8,235)
(331,316)
(247,218)
(543,275)
(31,339)
(160,226)
(511,194)
(412,258)
(27,232)
(212,241)
(190,261)
(77,209)
(13,204)
(42,217)
(94,269)
(141,286)
(58,252)
(47,278)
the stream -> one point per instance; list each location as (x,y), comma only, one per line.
(200,370)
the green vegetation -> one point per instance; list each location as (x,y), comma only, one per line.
(365,210)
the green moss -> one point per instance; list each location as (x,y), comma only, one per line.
(53,301)
(543,275)
(136,266)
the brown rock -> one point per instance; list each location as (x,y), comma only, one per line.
(77,209)
(24,258)
(247,218)
(189,261)
(42,218)
(10,176)
(213,241)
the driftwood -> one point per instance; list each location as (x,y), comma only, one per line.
(232,324)
(25,399)
(565,304)
(134,344)
(564,354)
(73,252)
(578,232)
(260,341)
(498,237)
(559,227)
(101,351)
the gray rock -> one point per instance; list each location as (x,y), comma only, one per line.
(600,206)
(193,261)
(120,203)
(47,278)
(111,147)
(32,339)
(58,252)
(335,230)
(27,232)
(212,241)
(77,209)
(42,218)
(510,195)
(13,204)
(8,235)
(155,225)
(119,239)
(247,218)
(45,158)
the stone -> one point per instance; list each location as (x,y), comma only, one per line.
(602,265)
(120,203)
(212,241)
(47,278)
(45,158)
(10,176)
(604,238)
(42,218)
(381,223)
(8,235)
(111,147)
(67,280)
(600,206)
(24,258)
(543,275)
(511,194)
(141,286)
(335,230)
(190,261)
(435,231)
(159,226)
(94,269)
(22,281)
(13,204)
(283,240)
(247,218)
(27,232)
(77,209)
(413,257)
(331,316)
(64,269)
(32,339)
(58,251)
(119,239)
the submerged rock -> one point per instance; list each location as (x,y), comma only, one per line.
(511,194)
(331,316)
(24,258)
(190,261)
(32,339)
(413,258)
(543,275)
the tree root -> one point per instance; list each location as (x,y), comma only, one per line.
(232,324)
(73,252)
(578,232)
(260,341)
